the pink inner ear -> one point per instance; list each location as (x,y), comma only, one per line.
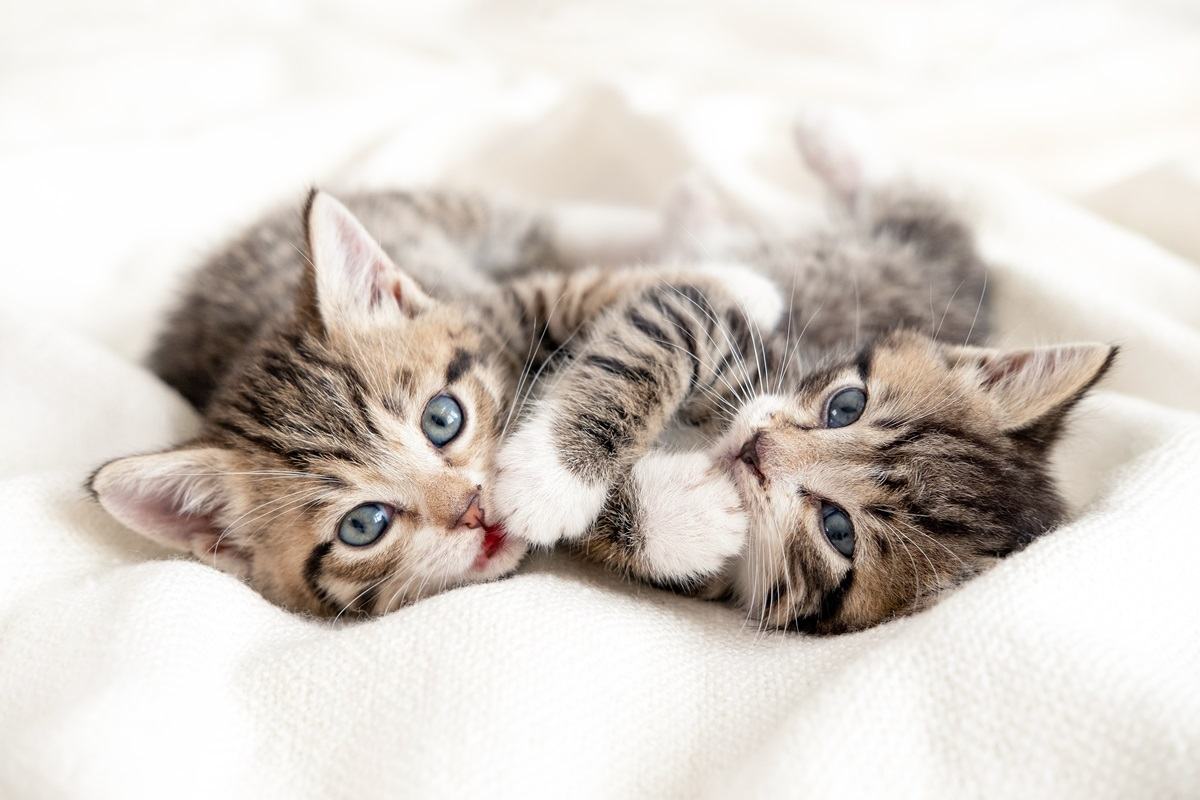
(362,254)
(157,515)
(997,369)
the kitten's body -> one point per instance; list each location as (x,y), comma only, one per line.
(318,356)
(811,525)
(318,366)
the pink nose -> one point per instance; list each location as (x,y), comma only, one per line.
(473,516)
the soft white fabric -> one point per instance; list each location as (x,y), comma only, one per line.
(133,136)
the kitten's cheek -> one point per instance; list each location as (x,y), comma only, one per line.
(537,499)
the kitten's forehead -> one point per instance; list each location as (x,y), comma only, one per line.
(434,346)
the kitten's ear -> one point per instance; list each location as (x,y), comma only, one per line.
(352,283)
(174,499)
(1032,389)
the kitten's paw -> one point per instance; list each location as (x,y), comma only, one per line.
(758,297)
(690,515)
(841,150)
(535,496)
(697,224)
(692,207)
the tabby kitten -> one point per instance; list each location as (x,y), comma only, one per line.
(352,407)
(866,452)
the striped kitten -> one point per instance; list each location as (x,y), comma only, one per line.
(354,393)
(864,453)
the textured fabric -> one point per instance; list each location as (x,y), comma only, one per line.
(135,136)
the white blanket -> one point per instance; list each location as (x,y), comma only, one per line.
(133,136)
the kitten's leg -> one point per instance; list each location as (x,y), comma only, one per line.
(586,235)
(675,520)
(892,213)
(636,366)
(841,150)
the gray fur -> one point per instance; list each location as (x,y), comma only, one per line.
(949,492)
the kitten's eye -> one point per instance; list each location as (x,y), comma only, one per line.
(845,407)
(442,419)
(838,528)
(363,524)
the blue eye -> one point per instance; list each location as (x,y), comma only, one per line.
(845,407)
(363,524)
(442,419)
(838,528)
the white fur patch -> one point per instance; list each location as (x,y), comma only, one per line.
(537,498)
(843,152)
(691,515)
(758,297)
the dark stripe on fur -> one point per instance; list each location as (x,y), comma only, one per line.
(299,457)
(685,330)
(622,370)
(312,573)
(459,365)
(605,433)
(831,605)
(651,331)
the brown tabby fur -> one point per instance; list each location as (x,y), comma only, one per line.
(312,403)
(946,471)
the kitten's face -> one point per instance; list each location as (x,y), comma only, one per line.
(404,513)
(883,480)
(346,466)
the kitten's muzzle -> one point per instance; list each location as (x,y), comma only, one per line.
(751,457)
(472,516)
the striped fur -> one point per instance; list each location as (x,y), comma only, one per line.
(946,471)
(312,350)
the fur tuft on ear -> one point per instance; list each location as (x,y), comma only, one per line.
(174,499)
(354,281)
(1033,389)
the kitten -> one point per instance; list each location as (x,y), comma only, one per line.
(867,452)
(354,392)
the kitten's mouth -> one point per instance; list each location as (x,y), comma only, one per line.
(494,537)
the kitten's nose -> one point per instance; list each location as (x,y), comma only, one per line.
(472,517)
(749,452)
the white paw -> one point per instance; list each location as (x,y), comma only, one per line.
(694,204)
(691,515)
(759,298)
(534,495)
(695,222)
(843,152)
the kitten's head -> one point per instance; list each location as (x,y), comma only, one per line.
(900,472)
(345,464)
